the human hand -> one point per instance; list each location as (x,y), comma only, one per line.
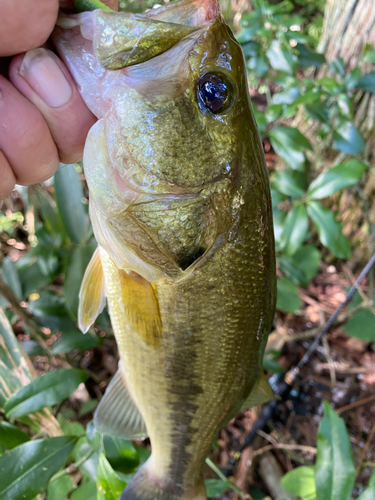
(43,119)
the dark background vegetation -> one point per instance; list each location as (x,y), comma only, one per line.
(312,81)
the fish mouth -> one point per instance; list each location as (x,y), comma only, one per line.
(122,40)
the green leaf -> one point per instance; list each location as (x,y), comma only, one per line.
(215,487)
(11,436)
(25,470)
(329,230)
(367,82)
(14,369)
(337,66)
(280,57)
(310,96)
(295,229)
(353,78)
(318,111)
(260,119)
(77,263)
(290,144)
(48,261)
(88,406)
(362,326)
(288,299)
(32,278)
(51,312)
(15,372)
(86,491)
(289,182)
(308,58)
(143,453)
(251,49)
(345,105)
(69,196)
(258,65)
(94,437)
(246,34)
(71,428)
(89,466)
(59,489)
(292,137)
(32,348)
(335,471)
(300,482)
(289,269)
(73,340)
(51,220)
(329,85)
(277,198)
(348,139)
(336,178)
(273,112)
(120,453)
(270,364)
(307,258)
(48,389)
(369,57)
(279,217)
(368,494)
(287,96)
(109,484)
(11,277)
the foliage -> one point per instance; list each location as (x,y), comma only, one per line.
(332,477)
(74,462)
(276,51)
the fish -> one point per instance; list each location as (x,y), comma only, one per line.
(181,210)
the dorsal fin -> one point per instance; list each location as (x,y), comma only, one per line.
(141,306)
(261,393)
(117,414)
(92,293)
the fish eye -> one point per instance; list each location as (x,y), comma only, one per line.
(213,92)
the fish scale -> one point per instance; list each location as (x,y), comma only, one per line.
(181,209)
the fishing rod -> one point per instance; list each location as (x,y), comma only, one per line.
(282,385)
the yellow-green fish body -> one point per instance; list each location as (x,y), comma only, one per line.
(181,209)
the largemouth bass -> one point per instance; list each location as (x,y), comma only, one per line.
(181,210)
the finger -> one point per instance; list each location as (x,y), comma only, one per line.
(45,81)
(25,138)
(25,24)
(7,178)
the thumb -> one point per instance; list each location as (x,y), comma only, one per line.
(44,80)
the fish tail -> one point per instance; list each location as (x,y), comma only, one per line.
(144,487)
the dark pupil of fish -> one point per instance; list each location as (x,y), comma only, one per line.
(212,92)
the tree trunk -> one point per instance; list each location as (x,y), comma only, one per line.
(349,26)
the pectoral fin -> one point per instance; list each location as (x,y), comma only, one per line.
(261,393)
(117,414)
(92,293)
(123,39)
(141,307)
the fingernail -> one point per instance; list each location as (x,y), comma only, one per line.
(45,77)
